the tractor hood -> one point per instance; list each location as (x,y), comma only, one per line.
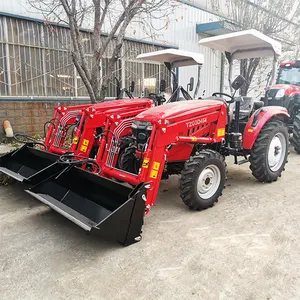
(179,109)
(289,89)
(124,102)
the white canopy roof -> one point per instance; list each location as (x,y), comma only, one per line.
(177,58)
(244,44)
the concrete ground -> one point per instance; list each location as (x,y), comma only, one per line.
(245,247)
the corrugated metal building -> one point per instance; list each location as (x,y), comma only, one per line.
(34,63)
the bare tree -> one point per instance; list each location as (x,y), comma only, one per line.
(109,20)
(275,18)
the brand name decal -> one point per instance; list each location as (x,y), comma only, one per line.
(196,122)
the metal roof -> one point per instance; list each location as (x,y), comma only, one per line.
(244,44)
(177,58)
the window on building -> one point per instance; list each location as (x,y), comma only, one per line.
(134,72)
(59,74)
(117,73)
(151,78)
(35,61)
(3,72)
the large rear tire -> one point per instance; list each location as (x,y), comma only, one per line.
(269,153)
(296,134)
(202,179)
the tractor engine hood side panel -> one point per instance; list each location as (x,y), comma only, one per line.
(186,109)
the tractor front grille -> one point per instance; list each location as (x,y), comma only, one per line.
(274,102)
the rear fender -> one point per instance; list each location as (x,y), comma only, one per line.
(257,121)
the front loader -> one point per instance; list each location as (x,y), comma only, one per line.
(191,139)
(100,126)
(85,131)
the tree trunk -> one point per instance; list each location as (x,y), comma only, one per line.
(247,70)
(96,83)
(243,72)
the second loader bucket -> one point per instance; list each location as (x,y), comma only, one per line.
(24,163)
(94,202)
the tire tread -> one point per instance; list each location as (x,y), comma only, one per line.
(257,158)
(188,175)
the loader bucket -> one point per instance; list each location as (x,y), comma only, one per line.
(24,163)
(95,203)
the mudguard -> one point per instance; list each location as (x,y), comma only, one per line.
(257,121)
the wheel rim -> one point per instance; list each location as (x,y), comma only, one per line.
(208,181)
(276,153)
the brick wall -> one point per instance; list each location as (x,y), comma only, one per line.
(28,117)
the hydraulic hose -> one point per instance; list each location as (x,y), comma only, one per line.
(29,140)
(77,161)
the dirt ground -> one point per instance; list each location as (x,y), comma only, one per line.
(245,247)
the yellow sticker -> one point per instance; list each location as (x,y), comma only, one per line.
(194,139)
(221,132)
(250,129)
(85,142)
(83,148)
(153,174)
(156,166)
(145,163)
(75,140)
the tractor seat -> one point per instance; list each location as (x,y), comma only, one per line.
(230,111)
(246,107)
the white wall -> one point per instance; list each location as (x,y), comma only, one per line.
(19,7)
(181,32)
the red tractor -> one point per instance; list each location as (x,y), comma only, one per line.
(190,138)
(96,131)
(286,93)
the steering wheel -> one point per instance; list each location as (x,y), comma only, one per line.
(224,94)
(152,95)
(157,99)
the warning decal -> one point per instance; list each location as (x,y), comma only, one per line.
(221,132)
(83,148)
(155,169)
(145,163)
(85,142)
(75,140)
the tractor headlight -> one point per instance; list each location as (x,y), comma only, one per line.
(280,93)
(150,127)
(141,131)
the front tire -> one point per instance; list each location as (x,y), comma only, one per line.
(296,134)
(202,179)
(269,153)
(128,161)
